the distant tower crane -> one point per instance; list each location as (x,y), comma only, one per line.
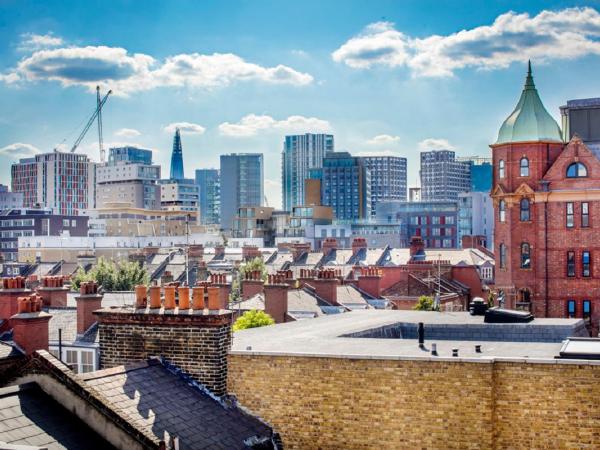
(97,114)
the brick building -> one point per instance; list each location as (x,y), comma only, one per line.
(547,214)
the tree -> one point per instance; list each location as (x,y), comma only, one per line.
(425,303)
(252,319)
(123,276)
(256,264)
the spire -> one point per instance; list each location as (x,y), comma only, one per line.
(177,157)
(529,122)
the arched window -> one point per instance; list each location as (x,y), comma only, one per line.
(525,256)
(502,256)
(524,165)
(576,170)
(501,168)
(525,207)
(502,211)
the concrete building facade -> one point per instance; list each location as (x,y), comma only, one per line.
(442,176)
(388,179)
(242,180)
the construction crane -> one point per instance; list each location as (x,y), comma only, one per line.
(97,114)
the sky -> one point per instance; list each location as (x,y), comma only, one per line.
(385,77)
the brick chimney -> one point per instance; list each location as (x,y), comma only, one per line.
(328,245)
(220,280)
(276,298)
(53,291)
(417,245)
(88,301)
(196,251)
(250,252)
(369,281)
(357,244)
(195,339)
(300,249)
(326,285)
(307,276)
(30,324)
(12,289)
(252,284)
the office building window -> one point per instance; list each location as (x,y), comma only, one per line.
(525,210)
(524,167)
(585,264)
(570,215)
(571,308)
(585,214)
(525,256)
(570,264)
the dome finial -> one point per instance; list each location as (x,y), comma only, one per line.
(529,84)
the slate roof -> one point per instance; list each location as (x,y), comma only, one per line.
(301,304)
(65,318)
(28,416)
(469,256)
(156,399)
(351,297)
(8,351)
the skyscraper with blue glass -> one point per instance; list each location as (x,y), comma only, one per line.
(177,158)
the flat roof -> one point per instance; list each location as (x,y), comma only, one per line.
(322,337)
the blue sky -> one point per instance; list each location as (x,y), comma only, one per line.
(384,77)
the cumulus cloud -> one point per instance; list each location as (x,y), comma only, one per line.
(19,150)
(566,34)
(185,128)
(31,41)
(252,124)
(127,132)
(435,144)
(373,153)
(383,139)
(126,73)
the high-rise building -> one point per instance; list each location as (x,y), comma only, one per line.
(241,184)
(582,118)
(476,216)
(177,172)
(179,195)
(129,177)
(300,154)
(64,182)
(481,172)
(209,183)
(545,199)
(388,178)
(346,186)
(442,176)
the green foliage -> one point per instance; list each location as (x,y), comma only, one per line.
(250,266)
(425,303)
(123,276)
(252,319)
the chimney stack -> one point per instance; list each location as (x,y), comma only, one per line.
(299,249)
(276,298)
(249,252)
(357,244)
(369,281)
(53,291)
(88,301)
(417,245)
(12,289)
(30,324)
(220,281)
(252,284)
(328,245)
(326,285)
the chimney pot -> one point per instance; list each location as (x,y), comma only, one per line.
(169,297)
(198,298)
(155,297)
(141,296)
(213,298)
(184,297)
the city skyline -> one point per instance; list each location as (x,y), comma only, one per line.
(372,79)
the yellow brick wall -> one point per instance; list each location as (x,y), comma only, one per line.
(331,403)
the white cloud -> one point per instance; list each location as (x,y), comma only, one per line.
(435,144)
(19,150)
(383,139)
(126,73)
(566,34)
(31,41)
(127,132)
(185,128)
(252,124)
(385,152)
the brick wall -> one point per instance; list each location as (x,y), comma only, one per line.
(196,342)
(362,404)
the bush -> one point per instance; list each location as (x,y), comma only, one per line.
(252,319)
(250,266)
(123,276)
(425,303)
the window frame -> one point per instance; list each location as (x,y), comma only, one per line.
(570,264)
(501,169)
(571,303)
(570,214)
(524,168)
(502,255)
(525,253)
(586,304)
(525,210)
(502,211)
(586,268)
(585,216)
(577,165)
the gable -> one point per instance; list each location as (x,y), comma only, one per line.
(575,151)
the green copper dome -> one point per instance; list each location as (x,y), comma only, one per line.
(529,121)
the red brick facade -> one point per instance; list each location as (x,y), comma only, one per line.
(548,282)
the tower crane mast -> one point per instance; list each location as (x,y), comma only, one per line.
(97,114)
